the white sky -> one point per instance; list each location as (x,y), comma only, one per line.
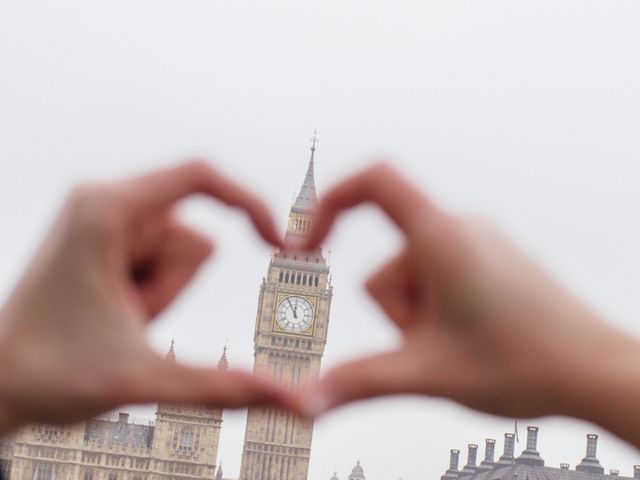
(525,111)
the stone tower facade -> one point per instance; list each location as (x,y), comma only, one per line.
(289,341)
(186,437)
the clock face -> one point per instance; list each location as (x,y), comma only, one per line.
(295,314)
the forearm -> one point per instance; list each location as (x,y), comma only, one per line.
(14,382)
(605,386)
(7,420)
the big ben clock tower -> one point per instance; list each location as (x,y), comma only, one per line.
(289,340)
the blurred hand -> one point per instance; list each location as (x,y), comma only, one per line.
(72,333)
(482,324)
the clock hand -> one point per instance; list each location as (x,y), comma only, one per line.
(293,308)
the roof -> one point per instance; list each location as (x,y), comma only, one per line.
(530,472)
(530,464)
(104,432)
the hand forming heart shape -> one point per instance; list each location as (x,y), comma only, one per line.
(482,323)
(72,333)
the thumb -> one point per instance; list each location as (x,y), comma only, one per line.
(386,373)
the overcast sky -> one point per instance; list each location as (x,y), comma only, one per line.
(524,111)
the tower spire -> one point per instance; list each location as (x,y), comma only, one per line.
(307,197)
(302,208)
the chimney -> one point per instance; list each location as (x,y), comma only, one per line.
(453,460)
(592,445)
(530,455)
(564,466)
(453,471)
(489,450)
(123,417)
(614,473)
(590,462)
(636,471)
(507,456)
(470,467)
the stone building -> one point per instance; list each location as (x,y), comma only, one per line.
(529,465)
(182,443)
(290,336)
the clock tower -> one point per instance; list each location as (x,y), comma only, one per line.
(289,340)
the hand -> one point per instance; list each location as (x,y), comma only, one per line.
(72,333)
(482,324)
(292,308)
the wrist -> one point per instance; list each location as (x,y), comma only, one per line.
(7,365)
(603,384)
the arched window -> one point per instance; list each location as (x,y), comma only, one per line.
(113,476)
(304,279)
(316,280)
(286,278)
(280,276)
(185,445)
(298,279)
(88,475)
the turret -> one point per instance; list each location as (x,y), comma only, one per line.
(171,354)
(357,473)
(223,364)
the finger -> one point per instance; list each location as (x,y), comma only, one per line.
(172,264)
(390,288)
(173,382)
(162,188)
(381,185)
(387,373)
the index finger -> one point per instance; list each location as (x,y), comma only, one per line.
(400,200)
(162,188)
